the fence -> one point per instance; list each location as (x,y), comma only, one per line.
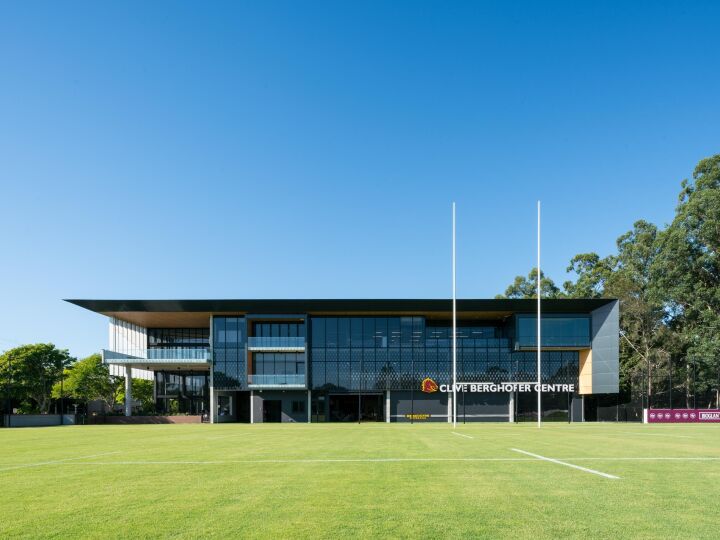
(678,384)
(38,420)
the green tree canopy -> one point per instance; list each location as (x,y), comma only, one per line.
(667,281)
(526,287)
(686,272)
(89,379)
(30,371)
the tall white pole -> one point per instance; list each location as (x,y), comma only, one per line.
(539,336)
(454,329)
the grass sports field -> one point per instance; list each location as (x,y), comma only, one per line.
(333,481)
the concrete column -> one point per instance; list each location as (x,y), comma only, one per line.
(387,406)
(128,391)
(213,404)
(252,411)
(309,406)
(511,412)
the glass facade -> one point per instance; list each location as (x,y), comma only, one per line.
(181,392)
(178,337)
(363,354)
(350,354)
(278,364)
(557,331)
(229,353)
(278,329)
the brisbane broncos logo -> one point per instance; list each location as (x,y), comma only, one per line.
(428,385)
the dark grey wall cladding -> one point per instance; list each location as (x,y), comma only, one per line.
(404,403)
(476,407)
(483,407)
(577,409)
(286,397)
(38,420)
(606,348)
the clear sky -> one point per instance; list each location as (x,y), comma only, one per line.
(312,149)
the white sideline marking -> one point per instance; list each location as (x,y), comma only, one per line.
(40,464)
(380,460)
(461,435)
(558,462)
(534,459)
(339,460)
(643,458)
(388,460)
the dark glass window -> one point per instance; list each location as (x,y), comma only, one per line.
(356,333)
(381,333)
(343,332)
(368,340)
(229,361)
(318,332)
(178,337)
(298,406)
(331,332)
(557,331)
(394,332)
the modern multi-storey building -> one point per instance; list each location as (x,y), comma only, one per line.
(369,360)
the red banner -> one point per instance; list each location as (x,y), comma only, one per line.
(673,416)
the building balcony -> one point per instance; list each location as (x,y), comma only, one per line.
(276,381)
(157,356)
(286,344)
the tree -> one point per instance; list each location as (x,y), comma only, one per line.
(30,371)
(142,391)
(89,379)
(668,284)
(592,274)
(687,271)
(526,287)
(646,342)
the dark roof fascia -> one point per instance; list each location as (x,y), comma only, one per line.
(274,306)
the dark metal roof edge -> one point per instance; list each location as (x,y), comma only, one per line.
(556,305)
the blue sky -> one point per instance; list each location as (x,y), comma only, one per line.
(297,150)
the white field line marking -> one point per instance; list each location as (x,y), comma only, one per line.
(461,435)
(40,464)
(642,458)
(385,460)
(558,462)
(264,461)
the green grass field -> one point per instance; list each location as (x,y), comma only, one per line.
(377,480)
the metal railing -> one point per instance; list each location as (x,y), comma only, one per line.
(276,380)
(159,355)
(525,341)
(277,343)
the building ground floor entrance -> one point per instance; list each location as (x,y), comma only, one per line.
(356,407)
(272,405)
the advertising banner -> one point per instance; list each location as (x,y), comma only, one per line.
(668,416)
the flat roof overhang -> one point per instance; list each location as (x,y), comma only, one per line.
(197,313)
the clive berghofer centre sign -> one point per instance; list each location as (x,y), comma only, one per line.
(507,387)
